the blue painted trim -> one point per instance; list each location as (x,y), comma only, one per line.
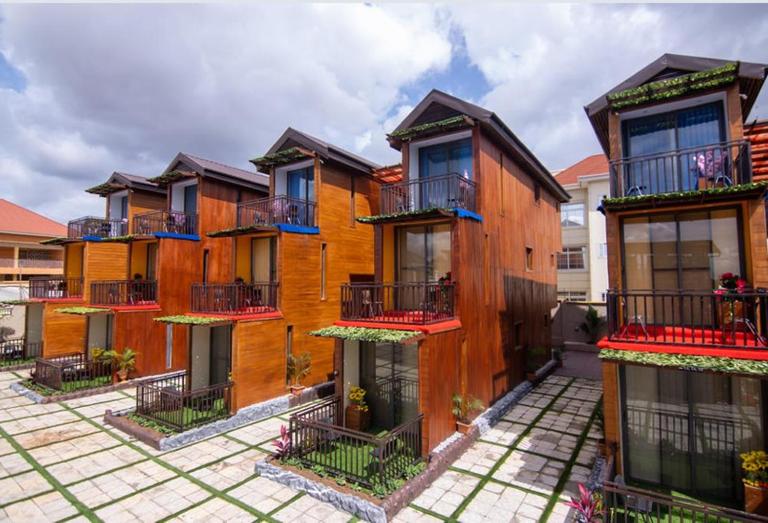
(463,213)
(92,238)
(300,229)
(178,236)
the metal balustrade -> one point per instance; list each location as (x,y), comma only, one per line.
(449,191)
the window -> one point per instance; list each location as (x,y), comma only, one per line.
(424,253)
(603,250)
(572,295)
(301,184)
(288,350)
(206,254)
(572,215)
(446,158)
(168,345)
(323,269)
(572,258)
(529,258)
(263,260)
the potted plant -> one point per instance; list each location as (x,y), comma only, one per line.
(730,307)
(357,415)
(298,369)
(107,358)
(463,408)
(754,464)
(126,363)
(592,325)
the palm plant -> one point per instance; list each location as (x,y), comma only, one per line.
(299,368)
(592,324)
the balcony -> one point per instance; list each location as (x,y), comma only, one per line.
(55,288)
(403,303)
(173,222)
(92,226)
(276,210)
(124,292)
(449,191)
(683,170)
(234,298)
(683,318)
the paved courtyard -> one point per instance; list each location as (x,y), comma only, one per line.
(60,462)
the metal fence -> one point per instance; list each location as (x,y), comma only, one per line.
(16,349)
(414,303)
(55,288)
(154,222)
(234,298)
(96,226)
(169,401)
(449,191)
(72,372)
(123,292)
(275,210)
(318,437)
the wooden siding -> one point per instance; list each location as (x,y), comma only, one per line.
(258,361)
(611,408)
(143,201)
(62,333)
(138,331)
(440,365)
(104,261)
(180,263)
(73,260)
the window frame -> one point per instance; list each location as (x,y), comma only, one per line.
(567,252)
(563,213)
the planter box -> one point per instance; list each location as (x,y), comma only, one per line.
(756,500)
(356,419)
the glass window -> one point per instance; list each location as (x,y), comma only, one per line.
(571,258)
(572,295)
(424,253)
(389,372)
(263,264)
(301,183)
(446,158)
(572,215)
(168,345)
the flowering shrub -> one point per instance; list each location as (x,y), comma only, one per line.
(755,467)
(357,396)
(588,506)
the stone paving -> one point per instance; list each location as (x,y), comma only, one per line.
(60,462)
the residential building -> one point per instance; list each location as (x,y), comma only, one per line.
(464,280)
(21,255)
(582,265)
(684,385)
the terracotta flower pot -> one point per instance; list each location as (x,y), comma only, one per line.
(296,390)
(462,427)
(756,499)
(357,419)
(122,375)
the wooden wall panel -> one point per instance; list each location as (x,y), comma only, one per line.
(611,406)
(137,330)
(179,265)
(217,210)
(258,361)
(140,202)
(104,261)
(73,260)
(243,257)
(62,333)
(439,379)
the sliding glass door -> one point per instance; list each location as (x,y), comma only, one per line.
(389,372)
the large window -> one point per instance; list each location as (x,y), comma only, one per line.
(446,158)
(424,253)
(389,372)
(572,215)
(572,295)
(684,430)
(301,184)
(572,258)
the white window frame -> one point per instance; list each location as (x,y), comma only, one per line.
(413,150)
(114,205)
(281,176)
(583,215)
(583,250)
(177,194)
(567,295)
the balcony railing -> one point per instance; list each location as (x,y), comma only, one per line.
(623,504)
(123,292)
(414,303)
(38,263)
(72,372)
(95,226)
(170,402)
(16,349)
(449,191)
(276,210)
(55,288)
(318,437)
(738,320)
(154,222)
(234,298)
(683,170)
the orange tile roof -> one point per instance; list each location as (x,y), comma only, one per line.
(595,164)
(19,220)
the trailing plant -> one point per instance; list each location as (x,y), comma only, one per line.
(447,123)
(464,406)
(592,324)
(186,319)
(283,443)
(588,506)
(365,334)
(280,157)
(688,362)
(81,311)
(681,195)
(299,367)
(417,212)
(754,464)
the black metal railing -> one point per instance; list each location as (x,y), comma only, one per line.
(682,170)
(55,288)
(17,349)
(72,372)
(449,191)
(318,437)
(234,298)
(123,292)
(276,210)
(419,303)
(623,504)
(176,222)
(170,402)
(97,227)
(734,320)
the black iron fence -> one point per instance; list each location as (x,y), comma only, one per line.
(72,372)
(276,210)
(737,320)
(691,169)
(234,298)
(44,287)
(98,227)
(15,349)
(176,222)
(123,292)
(419,303)
(318,437)
(449,191)
(624,504)
(169,401)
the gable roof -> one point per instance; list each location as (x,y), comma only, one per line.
(590,166)
(208,168)
(750,75)
(437,106)
(292,138)
(20,220)
(119,181)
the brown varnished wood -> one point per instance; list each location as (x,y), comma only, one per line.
(62,333)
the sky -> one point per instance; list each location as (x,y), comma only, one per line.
(86,90)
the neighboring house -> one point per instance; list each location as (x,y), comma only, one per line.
(683,378)
(21,255)
(465,240)
(582,265)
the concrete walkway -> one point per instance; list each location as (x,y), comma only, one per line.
(59,462)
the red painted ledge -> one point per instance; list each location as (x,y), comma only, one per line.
(691,350)
(432,328)
(57,300)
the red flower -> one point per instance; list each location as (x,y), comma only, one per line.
(720,292)
(741,283)
(726,276)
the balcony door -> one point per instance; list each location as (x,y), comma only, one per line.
(190,199)
(389,373)
(439,160)
(423,253)
(210,362)
(263,260)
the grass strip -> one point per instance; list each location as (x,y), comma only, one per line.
(180,512)
(286,504)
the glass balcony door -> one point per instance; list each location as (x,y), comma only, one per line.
(439,160)
(390,375)
(424,253)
